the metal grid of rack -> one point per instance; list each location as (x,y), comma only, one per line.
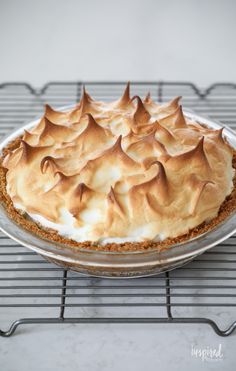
(33,291)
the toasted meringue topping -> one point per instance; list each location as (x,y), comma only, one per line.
(128,170)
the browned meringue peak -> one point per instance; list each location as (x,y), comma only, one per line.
(85,140)
(47,131)
(130,138)
(116,152)
(148,161)
(143,129)
(79,199)
(30,138)
(151,195)
(38,128)
(50,163)
(148,99)
(84,203)
(54,133)
(125,100)
(96,174)
(82,192)
(63,183)
(146,146)
(197,187)
(117,216)
(163,134)
(195,158)
(180,121)
(68,164)
(58,118)
(169,107)
(175,120)
(62,118)
(151,106)
(139,121)
(217,137)
(187,136)
(141,115)
(118,122)
(88,105)
(12,158)
(148,102)
(216,134)
(55,116)
(127,181)
(28,154)
(133,136)
(114,204)
(162,110)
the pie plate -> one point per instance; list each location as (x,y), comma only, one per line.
(120,264)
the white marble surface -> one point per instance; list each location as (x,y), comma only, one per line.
(113,347)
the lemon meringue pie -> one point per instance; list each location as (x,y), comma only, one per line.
(129,171)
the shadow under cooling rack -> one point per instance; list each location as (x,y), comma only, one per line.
(33,291)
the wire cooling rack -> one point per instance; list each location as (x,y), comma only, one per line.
(33,291)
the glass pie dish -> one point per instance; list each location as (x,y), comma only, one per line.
(120,264)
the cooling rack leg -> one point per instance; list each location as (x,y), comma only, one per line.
(63,295)
(208,321)
(113,320)
(168,302)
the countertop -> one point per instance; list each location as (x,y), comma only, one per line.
(114,347)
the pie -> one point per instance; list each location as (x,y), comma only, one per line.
(126,175)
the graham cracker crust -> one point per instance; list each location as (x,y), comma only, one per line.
(226,209)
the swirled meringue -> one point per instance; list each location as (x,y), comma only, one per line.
(129,170)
